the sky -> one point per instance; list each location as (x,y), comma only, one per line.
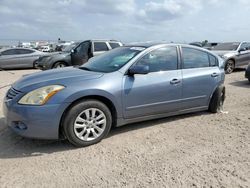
(125,20)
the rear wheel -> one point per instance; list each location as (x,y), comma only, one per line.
(59,65)
(217,100)
(87,123)
(229,67)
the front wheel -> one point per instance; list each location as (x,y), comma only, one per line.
(229,67)
(59,65)
(217,100)
(87,123)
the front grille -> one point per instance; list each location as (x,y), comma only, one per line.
(12,93)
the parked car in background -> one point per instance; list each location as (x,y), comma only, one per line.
(125,85)
(210,45)
(198,44)
(235,54)
(77,53)
(247,74)
(13,58)
(46,49)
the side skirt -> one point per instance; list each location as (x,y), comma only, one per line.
(122,121)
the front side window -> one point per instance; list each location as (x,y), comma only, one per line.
(193,58)
(162,59)
(100,46)
(245,46)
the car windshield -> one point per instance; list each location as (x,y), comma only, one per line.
(227,46)
(70,47)
(113,60)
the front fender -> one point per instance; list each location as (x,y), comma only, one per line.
(96,93)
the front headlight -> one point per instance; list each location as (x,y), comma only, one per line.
(41,95)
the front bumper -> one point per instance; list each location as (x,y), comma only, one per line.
(40,122)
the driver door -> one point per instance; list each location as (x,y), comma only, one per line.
(81,54)
(157,92)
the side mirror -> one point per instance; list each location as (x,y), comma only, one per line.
(138,69)
(242,50)
(73,51)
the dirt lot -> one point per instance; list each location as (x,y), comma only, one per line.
(195,150)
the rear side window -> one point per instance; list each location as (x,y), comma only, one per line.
(162,59)
(193,58)
(213,61)
(114,45)
(9,52)
(100,46)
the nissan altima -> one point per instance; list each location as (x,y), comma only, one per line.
(125,85)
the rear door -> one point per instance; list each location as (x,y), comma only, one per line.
(201,75)
(9,59)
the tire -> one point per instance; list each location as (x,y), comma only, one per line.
(249,80)
(59,65)
(229,67)
(82,131)
(217,100)
(35,64)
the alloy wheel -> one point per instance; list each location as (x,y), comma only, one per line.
(61,65)
(90,124)
(229,66)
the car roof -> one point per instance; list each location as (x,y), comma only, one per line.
(98,40)
(150,44)
(4,49)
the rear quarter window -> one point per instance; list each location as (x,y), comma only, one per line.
(114,45)
(213,61)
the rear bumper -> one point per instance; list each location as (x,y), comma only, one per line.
(40,122)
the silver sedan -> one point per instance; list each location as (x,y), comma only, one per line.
(14,58)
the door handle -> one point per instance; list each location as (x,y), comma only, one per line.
(214,74)
(175,81)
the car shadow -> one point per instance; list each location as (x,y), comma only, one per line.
(14,146)
(242,83)
(239,70)
(145,124)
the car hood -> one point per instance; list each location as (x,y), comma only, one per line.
(62,76)
(55,54)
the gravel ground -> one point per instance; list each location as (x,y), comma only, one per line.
(194,150)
